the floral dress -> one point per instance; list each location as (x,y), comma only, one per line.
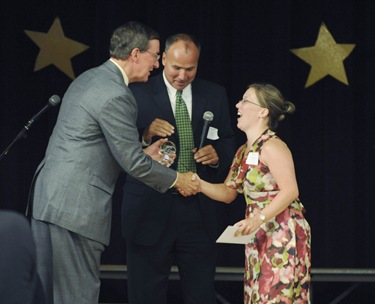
(277,264)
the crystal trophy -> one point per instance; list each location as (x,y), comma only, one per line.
(167,150)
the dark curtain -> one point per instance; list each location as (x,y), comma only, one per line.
(331,135)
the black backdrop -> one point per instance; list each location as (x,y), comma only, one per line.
(331,135)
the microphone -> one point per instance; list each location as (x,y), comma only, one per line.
(207,117)
(53,101)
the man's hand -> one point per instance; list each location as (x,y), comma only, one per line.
(154,151)
(186,184)
(207,156)
(158,127)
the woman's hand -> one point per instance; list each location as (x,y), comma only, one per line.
(195,177)
(248,225)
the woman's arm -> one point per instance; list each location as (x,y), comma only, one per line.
(218,192)
(277,156)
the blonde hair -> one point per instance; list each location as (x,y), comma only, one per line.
(271,98)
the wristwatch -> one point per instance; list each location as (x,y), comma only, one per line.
(262,217)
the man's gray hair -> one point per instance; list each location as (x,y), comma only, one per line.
(129,36)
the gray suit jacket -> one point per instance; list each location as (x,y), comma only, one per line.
(94,138)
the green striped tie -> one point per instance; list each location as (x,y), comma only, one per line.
(186,160)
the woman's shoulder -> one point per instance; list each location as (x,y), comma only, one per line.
(274,146)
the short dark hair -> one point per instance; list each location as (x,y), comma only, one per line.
(129,36)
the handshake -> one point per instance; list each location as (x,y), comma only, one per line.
(188,183)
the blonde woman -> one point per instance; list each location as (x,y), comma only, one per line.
(277,265)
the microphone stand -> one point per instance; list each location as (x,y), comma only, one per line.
(52,102)
(22,134)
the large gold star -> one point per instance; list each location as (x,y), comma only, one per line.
(56,49)
(326,57)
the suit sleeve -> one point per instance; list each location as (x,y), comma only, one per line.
(118,122)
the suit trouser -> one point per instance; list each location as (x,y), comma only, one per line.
(19,283)
(68,264)
(184,242)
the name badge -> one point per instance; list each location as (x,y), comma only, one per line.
(213,133)
(252,158)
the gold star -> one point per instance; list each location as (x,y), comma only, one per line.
(326,57)
(56,49)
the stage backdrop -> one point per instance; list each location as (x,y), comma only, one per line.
(320,54)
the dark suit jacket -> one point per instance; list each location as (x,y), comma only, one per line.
(19,282)
(145,211)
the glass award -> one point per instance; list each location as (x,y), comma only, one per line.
(167,150)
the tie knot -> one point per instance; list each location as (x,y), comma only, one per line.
(179,99)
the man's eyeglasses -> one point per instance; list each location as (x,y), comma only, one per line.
(245,100)
(156,56)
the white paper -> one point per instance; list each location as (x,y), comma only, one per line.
(228,236)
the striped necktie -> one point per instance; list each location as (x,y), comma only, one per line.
(186,160)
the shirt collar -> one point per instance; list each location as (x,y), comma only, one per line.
(172,91)
(126,79)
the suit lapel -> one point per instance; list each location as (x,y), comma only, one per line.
(199,104)
(161,99)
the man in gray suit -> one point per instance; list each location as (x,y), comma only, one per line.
(95,137)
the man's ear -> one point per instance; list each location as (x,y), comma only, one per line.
(164,58)
(135,53)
